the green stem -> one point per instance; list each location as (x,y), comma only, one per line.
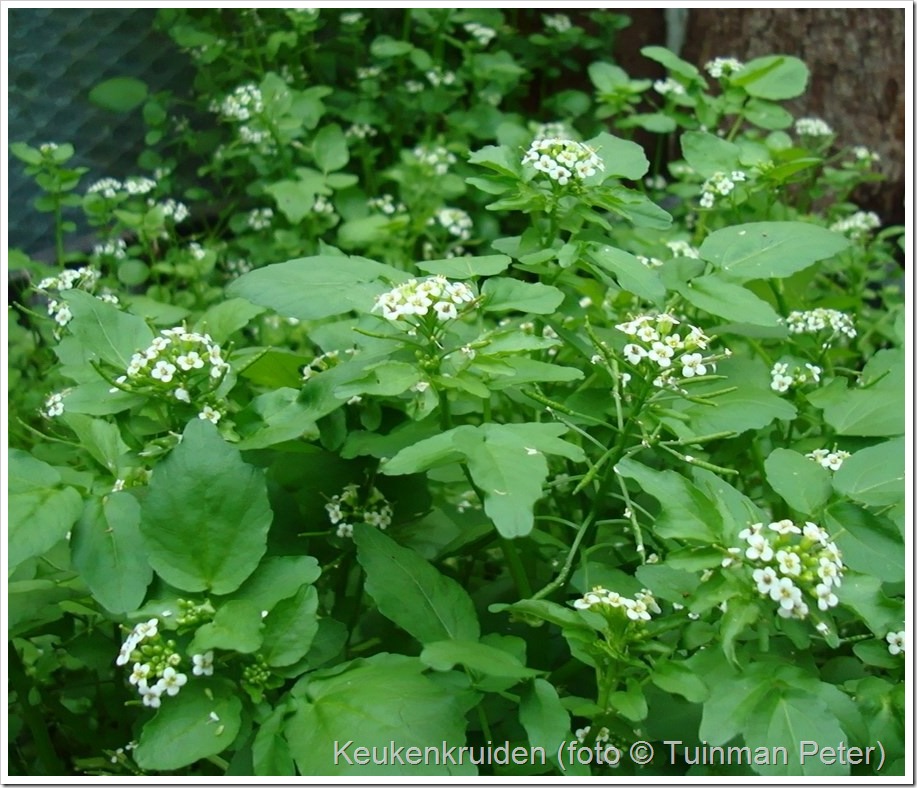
(561,578)
(20,683)
(516,569)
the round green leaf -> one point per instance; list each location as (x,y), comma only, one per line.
(202,720)
(121,94)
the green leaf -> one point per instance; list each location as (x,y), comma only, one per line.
(672,62)
(206,517)
(631,274)
(467,267)
(874,476)
(102,439)
(310,288)
(270,752)
(767,115)
(622,158)
(731,301)
(739,616)
(278,577)
(121,94)
(237,626)
(546,721)
(686,512)
(386,379)
(870,544)
(630,703)
(761,250)
(474,657)
(872,412)
(106,333)
(774,77)
(801,482)
(708,154)
(330,149)
(410,592)
(386,47)
(295,198)
(863,594)
(786,717)
(372,703)
(184,730)
(290,628)
(680,679)
(503,294)
(223,319)
(107,550)
(498,158)
(39,516)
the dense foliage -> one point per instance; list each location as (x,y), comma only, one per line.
(435,382)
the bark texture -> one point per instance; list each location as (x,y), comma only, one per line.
(857,82)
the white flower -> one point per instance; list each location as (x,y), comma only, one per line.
(139,674)
(785,527)
(54,406)
(172,681)
(669,85)
(561,159)
(163,371)
(786,594)
(190,360)
(560,23)
(759,548)
(633,353)
(661,354)
(182,394)
(203,664)
(210,414)
(896,642)
(151,695)
(826,597)
(765,579)
(789,563)
(692,364)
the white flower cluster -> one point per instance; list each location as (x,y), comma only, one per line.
(719,184)
(896,642)
(723,67)
(46,148)
(653,340)
(54,406)
(456,221)
(784,376)
(650,262)
(563,159)
(260,218)
(668,85)
(601,737)
(240,105)
(863,154)
(829,460)
(683,249)
(815,320)
(637,609)
(437,77)
(346,509)
(386,204)
(857,225)
(480,33)
(792,563)
(360,131)
(138,184)
(559,23)
(553,128)
(115,248)
(413,86)
(107,187)
(83,278)
(438,158)
(155,659)
(324,362)
(322,206)
(251,136)
(351,18)
(368,72)
(172,209)
(176,363)
(234,268)
(434,295)
(812,127)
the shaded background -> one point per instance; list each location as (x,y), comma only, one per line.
(56,56)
